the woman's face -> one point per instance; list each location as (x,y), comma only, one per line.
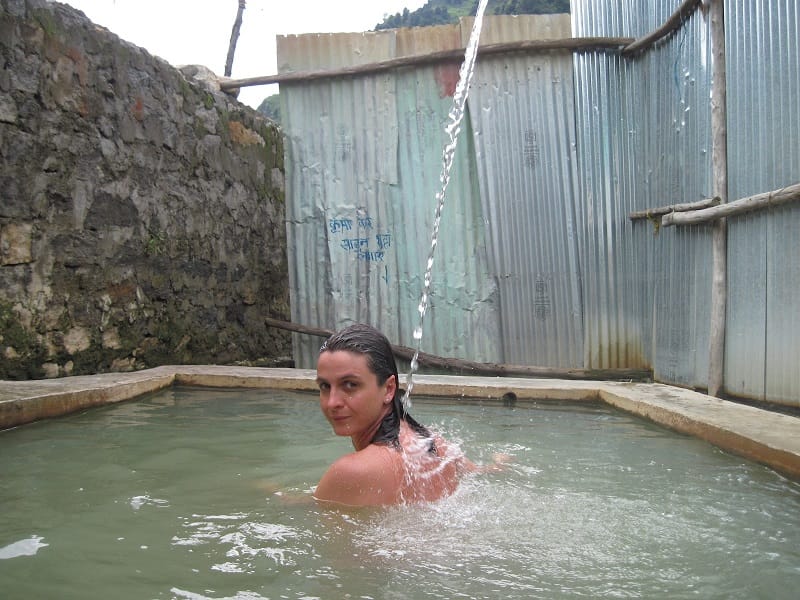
(349,394)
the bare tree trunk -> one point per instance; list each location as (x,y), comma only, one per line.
(237,25)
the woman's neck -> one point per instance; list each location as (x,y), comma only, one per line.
(364,439)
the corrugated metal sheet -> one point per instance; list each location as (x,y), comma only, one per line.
(538,261)
(763,63)
(643,141)
(644,132)
(335,181)
(523,125)
(362,176)
(781,373)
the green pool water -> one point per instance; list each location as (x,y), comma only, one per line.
(196,493)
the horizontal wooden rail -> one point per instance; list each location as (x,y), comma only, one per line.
(670,26)
(585,44)
(485,369)
(737,207)
(625,45)
(652,213)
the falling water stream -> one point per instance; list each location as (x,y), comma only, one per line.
(452,130)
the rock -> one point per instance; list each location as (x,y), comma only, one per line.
(15,244)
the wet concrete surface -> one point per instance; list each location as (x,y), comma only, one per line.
(767,437)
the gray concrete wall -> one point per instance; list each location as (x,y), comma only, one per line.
(141,211)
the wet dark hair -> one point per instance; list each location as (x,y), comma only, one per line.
(368,341)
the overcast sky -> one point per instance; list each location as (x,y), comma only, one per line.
(193,32)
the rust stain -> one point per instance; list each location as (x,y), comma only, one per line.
(81,64)
(622,354)
(447,79)
(70,77)
(138,109)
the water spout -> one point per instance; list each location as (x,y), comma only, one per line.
(452,130)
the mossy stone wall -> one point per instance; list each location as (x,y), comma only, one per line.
(141,210)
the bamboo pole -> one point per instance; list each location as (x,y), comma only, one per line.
(719,238)
(763,201)
(485,369)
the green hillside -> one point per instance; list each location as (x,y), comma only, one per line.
(440,12)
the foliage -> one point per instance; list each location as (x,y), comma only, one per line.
(440,12)
(531,7)
(270,107)
(20,349)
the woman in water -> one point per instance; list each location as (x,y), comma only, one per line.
(396,460)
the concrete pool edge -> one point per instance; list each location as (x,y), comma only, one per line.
(765,437)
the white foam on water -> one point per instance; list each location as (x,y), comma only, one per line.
(27,547)
(138,502)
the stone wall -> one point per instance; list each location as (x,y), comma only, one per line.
(141,210)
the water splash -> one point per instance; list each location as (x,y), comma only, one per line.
(452,130)
(27,547)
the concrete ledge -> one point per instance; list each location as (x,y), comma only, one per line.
(27,401)
(763,436)
(769,438)
(246,377)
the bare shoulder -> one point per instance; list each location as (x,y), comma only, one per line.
(364,478)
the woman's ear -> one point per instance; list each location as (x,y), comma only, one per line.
(391,388)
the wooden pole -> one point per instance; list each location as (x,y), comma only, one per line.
(624,45)
(756,202)
(485,369)
(670,26)
(673,208)
(453,55)
(719,237)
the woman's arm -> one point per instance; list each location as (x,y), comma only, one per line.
(499,462)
